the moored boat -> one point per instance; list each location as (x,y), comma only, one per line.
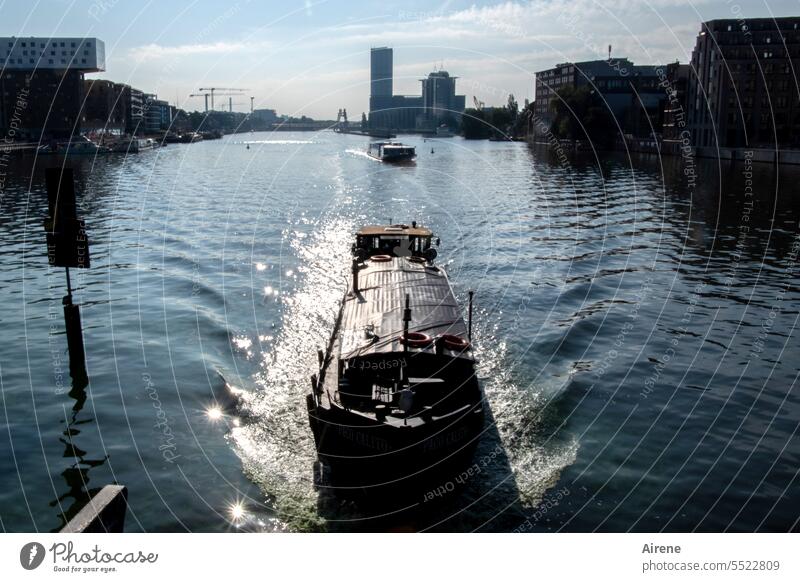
(396,398)
(390,151)
(78,146)
(133,145)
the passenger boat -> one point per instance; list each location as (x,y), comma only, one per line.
(396,398)
(444,131)
(390,151)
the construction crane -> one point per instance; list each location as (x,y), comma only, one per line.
(201,95)
(478,104)
(231,103)
(213,91)
(206,95)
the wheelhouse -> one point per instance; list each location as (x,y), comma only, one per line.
(397,240)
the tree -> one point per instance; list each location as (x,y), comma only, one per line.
(474,124)
(580,113)
(513,106)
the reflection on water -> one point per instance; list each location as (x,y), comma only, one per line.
(278,449)
(636,336)
(76,475)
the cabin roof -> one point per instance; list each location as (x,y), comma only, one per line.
(380,303)
(402,229)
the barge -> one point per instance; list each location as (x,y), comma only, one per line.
(396,398)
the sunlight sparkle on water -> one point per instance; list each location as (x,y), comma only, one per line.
(214,413)
(243,343)
(237,511)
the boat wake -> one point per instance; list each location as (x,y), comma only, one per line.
(275,441)
(520,455)
(361,154)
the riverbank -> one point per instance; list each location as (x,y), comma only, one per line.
(681,148)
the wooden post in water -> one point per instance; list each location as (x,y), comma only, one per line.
(67,246)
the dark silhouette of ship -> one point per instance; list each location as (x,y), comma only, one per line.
(396,399)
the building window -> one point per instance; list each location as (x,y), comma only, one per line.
(83,61)
(72,44)
(50,61)
(23,44)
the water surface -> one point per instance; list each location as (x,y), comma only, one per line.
(636,335)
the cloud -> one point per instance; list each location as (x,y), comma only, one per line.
(491,48)
(150,52)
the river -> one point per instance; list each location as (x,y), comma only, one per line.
(635,327)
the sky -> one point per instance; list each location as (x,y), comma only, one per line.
(311,57)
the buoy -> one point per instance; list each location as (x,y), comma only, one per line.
(416,339)
(454,342)
(248,146)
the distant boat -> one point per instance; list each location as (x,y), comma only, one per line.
(389,151)
(444,131)
(133,145)
(191,137)
(78,146)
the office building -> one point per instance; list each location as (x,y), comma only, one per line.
(381,107)
(105,110)
(264,117)
(47,76)
(438,102)
(632,93)
(743,90)
(675,122)
(156,115)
